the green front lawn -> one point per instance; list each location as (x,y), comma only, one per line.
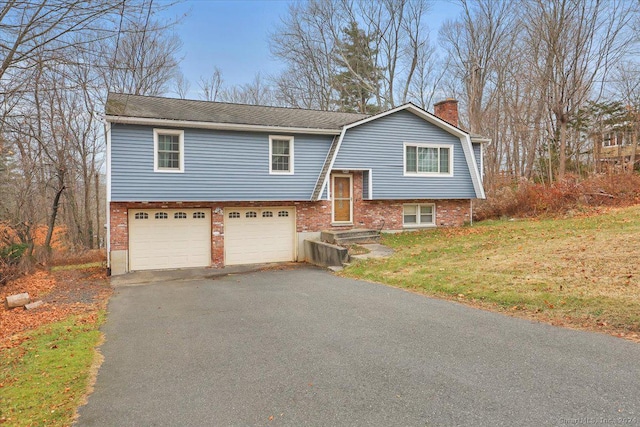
(45,378)
(583,272)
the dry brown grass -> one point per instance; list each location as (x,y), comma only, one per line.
(582,272)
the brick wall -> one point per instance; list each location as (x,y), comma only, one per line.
(310,216)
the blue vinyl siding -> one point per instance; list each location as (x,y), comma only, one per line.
(218,166)
(477,152)
(379,145)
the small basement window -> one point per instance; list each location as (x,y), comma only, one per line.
(419,215)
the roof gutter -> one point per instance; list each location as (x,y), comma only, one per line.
(217,126)
(480,140)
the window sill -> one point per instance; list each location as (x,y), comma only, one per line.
(169,170)
(430,174)
(342,224)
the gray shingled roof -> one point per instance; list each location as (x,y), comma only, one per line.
(153,107)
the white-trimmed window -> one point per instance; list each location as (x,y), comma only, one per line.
(428,159)
(613,139)
(419,215)
(168,146)
(281,154)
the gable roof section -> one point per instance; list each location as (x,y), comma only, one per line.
(136,109)
(465,140)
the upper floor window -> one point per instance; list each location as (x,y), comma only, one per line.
(281,154)
(169,150)
(428,159)
(613,139)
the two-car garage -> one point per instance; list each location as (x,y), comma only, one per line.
(182,238)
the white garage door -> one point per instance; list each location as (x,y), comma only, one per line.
(169,238)
(258,235)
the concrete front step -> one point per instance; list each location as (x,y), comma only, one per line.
(350,236)
(356,240)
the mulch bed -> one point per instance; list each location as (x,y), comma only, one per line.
(64,293)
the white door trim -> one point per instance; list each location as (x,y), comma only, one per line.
(333,198)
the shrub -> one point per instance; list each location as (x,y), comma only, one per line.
(13,253)
(529,199)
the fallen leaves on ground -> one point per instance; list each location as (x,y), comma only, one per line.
(64,293)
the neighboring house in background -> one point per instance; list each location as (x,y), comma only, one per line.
(616,148)
(195,183)
(615,137)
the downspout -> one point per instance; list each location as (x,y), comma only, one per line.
(471,212)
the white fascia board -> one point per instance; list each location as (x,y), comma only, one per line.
(473,168)
(333,160)
(217,126)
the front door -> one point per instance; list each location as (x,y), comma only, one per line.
(342,198)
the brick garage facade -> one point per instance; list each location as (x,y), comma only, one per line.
(310,216)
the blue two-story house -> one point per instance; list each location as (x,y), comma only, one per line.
(196,183)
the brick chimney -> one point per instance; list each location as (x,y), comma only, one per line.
(447,110)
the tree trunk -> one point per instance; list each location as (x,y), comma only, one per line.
(634,149)
(87,212)
(98,227)
(562,155)
(597,148)
(52,218)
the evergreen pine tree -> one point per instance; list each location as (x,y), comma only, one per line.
(359,76)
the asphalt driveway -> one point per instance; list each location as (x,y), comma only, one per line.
(304,347)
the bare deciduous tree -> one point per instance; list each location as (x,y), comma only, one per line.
(211,86)
(181,85)
(258,92)
(60,59)
(143,60)
(578,41)
(34,30)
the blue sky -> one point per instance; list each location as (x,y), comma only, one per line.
(233,36)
